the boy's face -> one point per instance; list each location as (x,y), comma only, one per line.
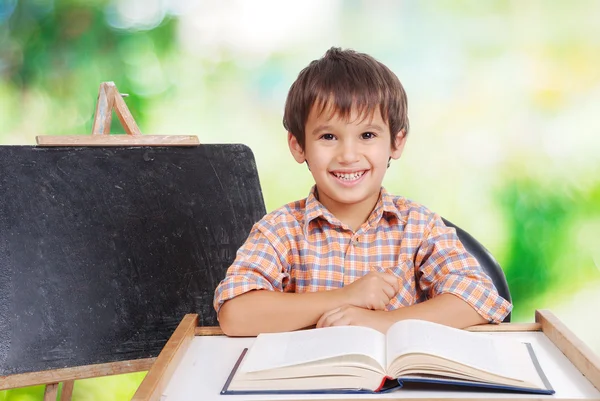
(347,157)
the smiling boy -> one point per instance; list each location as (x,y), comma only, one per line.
(351,253)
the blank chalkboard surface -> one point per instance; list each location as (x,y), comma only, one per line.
(103,250)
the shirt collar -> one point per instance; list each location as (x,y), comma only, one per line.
(388,204)
(315,209)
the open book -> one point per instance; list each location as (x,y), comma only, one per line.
(359,359)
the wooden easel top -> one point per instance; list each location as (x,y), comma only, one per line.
(110,98)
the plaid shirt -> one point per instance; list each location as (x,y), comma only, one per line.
(302,247)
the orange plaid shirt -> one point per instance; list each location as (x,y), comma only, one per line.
(302,247)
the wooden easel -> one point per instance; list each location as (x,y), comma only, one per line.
(109,98)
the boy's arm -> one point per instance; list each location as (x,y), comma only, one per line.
(445,309)
(446,268)
(256,296)
(266,311)
(263,311)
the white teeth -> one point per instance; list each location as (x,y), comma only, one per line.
(349,176)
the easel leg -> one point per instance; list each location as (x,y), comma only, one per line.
(67,390)
(51,392)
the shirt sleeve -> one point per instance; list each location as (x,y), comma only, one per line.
(257,266)
(445,266)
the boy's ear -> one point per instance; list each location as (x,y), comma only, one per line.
(296,149)
(400,141)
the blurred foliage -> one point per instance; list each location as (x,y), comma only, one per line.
(66,48)
(538,229)
(108,388)
(540,235)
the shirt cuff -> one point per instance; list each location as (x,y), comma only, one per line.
(485,300)
(234,286)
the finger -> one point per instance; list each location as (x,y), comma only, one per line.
(328,321)
(392,280)
(341,321)
(377,299)
(381,305)
(338,319)
(389,291)
(325,315)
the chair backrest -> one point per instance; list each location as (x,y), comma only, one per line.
(487,261)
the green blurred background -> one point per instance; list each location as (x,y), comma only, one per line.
(502,96)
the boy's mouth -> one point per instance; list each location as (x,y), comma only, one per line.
(349,177)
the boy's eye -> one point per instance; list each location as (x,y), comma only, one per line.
(368,135)
(327,137)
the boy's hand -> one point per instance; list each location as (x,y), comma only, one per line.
(372,291)
(354,316)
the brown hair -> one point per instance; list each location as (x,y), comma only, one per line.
(341,80)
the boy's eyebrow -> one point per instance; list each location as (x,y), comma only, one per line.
(375,127)
(326,127)
(321,128)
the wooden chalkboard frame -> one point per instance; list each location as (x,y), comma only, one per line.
(67,376)
(109,99)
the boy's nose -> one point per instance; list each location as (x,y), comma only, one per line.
(348,153)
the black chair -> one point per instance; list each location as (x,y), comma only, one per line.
(488,263)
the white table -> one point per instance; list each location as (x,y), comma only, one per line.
(205,362)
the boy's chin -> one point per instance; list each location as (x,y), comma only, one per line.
(349,196)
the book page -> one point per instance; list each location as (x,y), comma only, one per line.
(275,350)
(499,356)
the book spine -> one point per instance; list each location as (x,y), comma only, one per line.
(383,381)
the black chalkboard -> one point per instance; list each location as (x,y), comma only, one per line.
(104,250)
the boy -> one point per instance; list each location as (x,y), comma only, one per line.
(351,253)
